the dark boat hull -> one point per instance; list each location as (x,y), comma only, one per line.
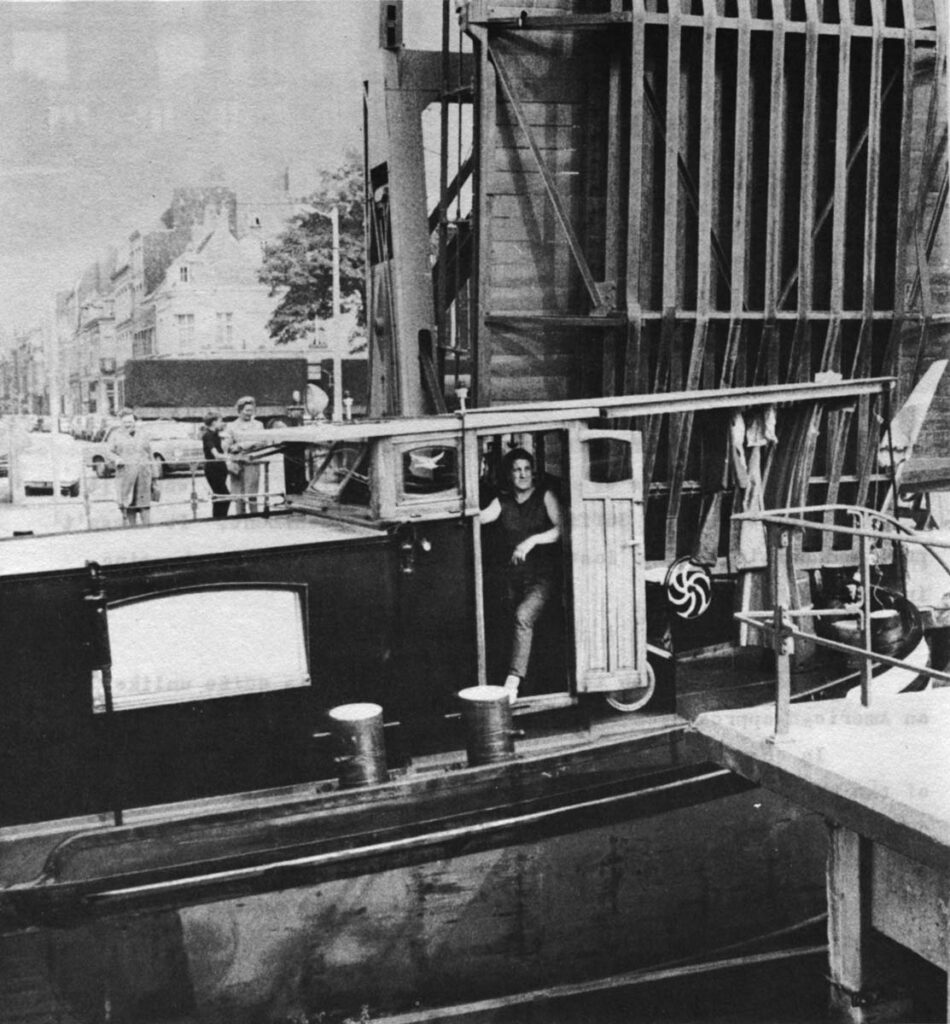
(692,862)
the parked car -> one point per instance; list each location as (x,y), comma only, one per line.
(176,447)
(41,456)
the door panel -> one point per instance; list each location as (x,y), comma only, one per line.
(606,533)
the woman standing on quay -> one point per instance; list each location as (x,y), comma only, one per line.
(245,475)
(216,470)
(134,471)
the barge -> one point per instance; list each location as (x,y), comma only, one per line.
(651,275)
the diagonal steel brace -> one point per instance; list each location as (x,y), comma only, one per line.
(572,240)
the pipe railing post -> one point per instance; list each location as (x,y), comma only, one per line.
(194,491)
(86,503)
(783,672)
(867,667)
(782,642)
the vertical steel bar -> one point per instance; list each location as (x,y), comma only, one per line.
(87,511)
(928,166)
(778,541)
(441,302)
(681,426)
(485,128)
(905,217)
(872,182)
(194,492)
(613,226)
(776,178)
(866,666)
(670,335)
(862,356)
(635,176)
(842,132)
(905,180)
(783,676)
(612,233)
(706,170)
(671,163)
(470,470)
(740,193)
(809,157)
(633,355)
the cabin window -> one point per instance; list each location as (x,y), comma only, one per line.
(341,473)
(202,644)
(429,471)
(608,460)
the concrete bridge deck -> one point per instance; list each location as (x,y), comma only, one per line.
(881,775)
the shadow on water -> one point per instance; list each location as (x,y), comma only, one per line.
(792,991)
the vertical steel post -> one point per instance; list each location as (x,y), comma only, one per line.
(778,540)
(337,344)
(783,673)
(866,665)
(194,492)
(84,490)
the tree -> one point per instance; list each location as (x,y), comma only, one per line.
(301,260)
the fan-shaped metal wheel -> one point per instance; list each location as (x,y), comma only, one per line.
(636,698)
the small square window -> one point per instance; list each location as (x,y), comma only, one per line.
(429,471)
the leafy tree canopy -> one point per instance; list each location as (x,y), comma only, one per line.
(301,260)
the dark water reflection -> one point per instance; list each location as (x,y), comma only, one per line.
(79,977)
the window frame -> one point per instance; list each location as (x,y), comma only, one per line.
(181,696)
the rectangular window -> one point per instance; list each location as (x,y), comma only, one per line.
(203,644)
(224,330)
(186,331)
(183,274)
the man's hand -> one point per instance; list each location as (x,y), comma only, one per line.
(521,552)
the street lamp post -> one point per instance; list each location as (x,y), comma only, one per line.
(337,344)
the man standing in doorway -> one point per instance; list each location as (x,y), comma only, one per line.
(530,520)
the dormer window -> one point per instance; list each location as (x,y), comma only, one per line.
(183,274)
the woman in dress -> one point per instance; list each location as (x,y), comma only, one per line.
(216,470)
(134,472)
(245,475)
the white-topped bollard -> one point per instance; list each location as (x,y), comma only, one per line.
(358,734)
(489,735)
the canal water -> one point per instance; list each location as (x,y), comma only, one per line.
(786,991)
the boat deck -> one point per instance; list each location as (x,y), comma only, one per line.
(67,551)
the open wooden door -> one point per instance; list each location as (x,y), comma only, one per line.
(606,532)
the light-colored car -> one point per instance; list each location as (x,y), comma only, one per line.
(176,447)
(43,455)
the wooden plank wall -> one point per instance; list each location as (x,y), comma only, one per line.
(757,186)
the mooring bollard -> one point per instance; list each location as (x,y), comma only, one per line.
(489,734)
(358,734)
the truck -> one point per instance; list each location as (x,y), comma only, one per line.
(186,389)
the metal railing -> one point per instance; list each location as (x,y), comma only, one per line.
(781,622)
(91,496)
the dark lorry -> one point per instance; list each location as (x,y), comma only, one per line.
(185,389)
